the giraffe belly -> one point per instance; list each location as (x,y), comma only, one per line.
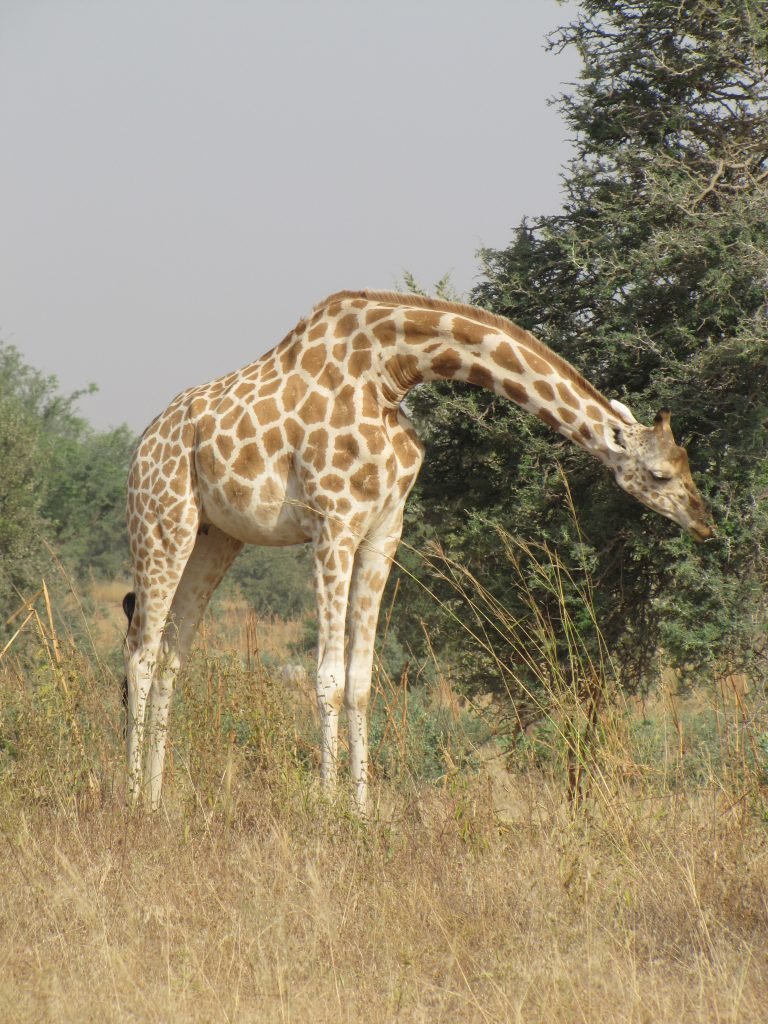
(274,516)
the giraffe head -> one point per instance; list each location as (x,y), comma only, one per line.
(652,467)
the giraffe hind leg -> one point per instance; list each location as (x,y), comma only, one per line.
(208,563)
(156,578)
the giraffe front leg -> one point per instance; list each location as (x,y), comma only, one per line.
(330,697)
(211,557)
(139,672)
(333,563)
(358,693)
(371,571)
(157,728)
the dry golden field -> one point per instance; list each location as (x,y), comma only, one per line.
(481,895)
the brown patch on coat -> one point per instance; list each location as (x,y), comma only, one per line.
(447,364)
(343,412)
(266,411)
(225,444)
(567,396)
(371,406)
(470,331)
(313,410)
(359,363)
(230,419)
(535,361)
(249,462)
(385,332)
(407,450)
(265,390)
(246,429)
(516,391)
(178,483)
(331,377)
(345,326)
(506,357)
(206,426)
(332,482)
(314,360)
(170,423)
(208,464)
(374,437)
(272,440)
(544,389)
(294,432)
(364,484)
(481,377)
(547,417)
(238,495)
(347,451)
(295,389)
(372,316)
(270,492)
(288,357)
(244,390)
(422,323)
(316,449)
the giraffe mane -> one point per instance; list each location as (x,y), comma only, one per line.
(482,316)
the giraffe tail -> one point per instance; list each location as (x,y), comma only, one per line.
(129,607)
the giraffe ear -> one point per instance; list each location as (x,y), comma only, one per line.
(661,422)
(614,437)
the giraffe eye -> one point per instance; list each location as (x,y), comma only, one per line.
(663,478)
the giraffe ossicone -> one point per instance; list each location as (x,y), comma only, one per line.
(310,444)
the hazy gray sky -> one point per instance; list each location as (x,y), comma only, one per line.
(181,180)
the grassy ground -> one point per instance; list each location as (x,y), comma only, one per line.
(481,895)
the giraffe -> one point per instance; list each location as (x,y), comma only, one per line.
(311,443)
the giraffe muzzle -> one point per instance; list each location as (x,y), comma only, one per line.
(701,531)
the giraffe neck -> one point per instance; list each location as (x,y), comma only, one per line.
(423,340)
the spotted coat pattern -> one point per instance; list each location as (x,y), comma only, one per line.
(310,443)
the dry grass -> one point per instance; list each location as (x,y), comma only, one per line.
(249,897)
(286,910)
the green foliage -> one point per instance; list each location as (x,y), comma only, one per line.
(85,500)
(653,281)
(21,524)
(275,581)
(412,735)
(62,485)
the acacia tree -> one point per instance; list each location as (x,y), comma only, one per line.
(653,281)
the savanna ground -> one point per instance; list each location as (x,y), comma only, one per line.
(477,892)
